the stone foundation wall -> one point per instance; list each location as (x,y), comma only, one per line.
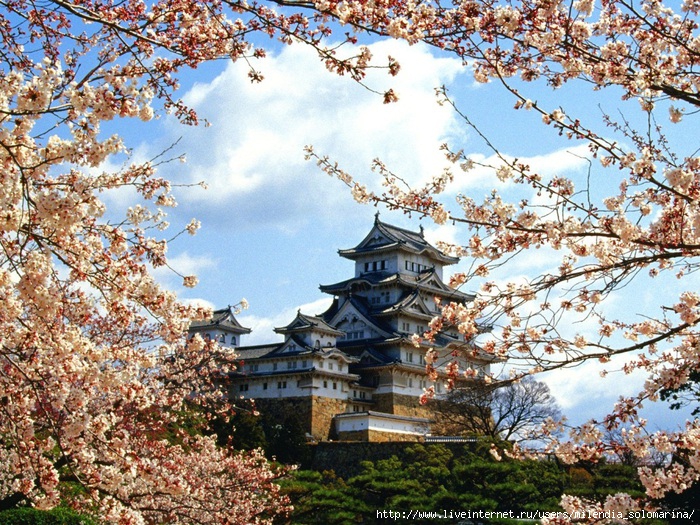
(315,414)
(323,411)
(400,405)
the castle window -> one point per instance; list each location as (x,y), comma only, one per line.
(304,363)
(254,367)
(410,382)
(317,344)
(274,366)
(243,387)
(233,339)
(409,357)
(281,384)
(330,366)
(335,385)
(291,365)
(383,265)
(264,386)
(223,338)
(421,359)
(325,384)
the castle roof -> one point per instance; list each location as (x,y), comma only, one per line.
(307,323)
(223,319)
(426,280)
(386,237)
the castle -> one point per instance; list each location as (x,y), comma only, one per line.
(353,372)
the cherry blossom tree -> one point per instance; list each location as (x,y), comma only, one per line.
(95,371)
(93,360)
(633,219)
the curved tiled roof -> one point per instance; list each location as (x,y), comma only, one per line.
(223,319)
(385,237)
(305,323)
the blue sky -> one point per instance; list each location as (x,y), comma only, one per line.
(272,222)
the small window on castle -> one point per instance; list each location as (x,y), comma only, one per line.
(383,265)
(255,367)
(409,357)
(325,384)
(335,385)
(264,386)
(281,384)
(408,265)
(304,363)
(330,366)
(367,266)
(233,340)
(317,344)
(274,366)
(421,359)
(223,338)
(410,382)
(243,387)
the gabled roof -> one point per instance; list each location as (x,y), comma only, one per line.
(411,301)
(427,280)
(385,237)
(356,305)
(222,319)
(308,323)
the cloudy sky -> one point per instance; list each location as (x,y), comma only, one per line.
(272,222)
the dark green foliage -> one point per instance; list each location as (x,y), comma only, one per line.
(323,498)
(286,440)
(435,478)
(30,516)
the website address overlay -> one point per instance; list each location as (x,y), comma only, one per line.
(533,515)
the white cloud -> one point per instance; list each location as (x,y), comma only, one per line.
(252,156)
